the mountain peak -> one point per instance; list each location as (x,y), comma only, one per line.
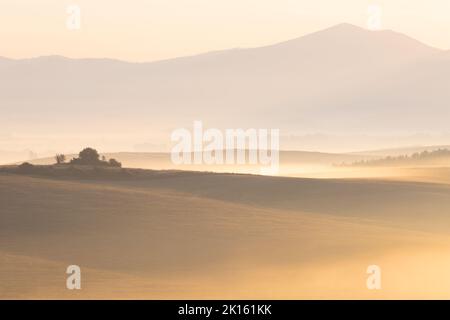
(346,26)
(342,29)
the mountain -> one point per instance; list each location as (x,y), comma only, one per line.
(414,98)
(344,79)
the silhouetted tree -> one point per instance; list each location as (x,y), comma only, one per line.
(60,158)
(89,155)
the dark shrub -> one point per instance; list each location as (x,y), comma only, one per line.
(26,167)
(114,163)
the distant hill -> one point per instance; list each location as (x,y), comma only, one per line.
(340,80)
(400,151)
(155,160)
(440,157)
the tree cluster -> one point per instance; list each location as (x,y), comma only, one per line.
(89,156)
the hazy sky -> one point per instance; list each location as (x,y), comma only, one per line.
(145,30)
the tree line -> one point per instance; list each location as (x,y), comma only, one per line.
(404,159)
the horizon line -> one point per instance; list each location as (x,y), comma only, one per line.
(60,56)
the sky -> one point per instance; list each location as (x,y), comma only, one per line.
(149,30)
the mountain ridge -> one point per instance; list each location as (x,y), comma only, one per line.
(348,27)
(343,79)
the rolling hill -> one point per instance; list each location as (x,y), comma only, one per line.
(221,236)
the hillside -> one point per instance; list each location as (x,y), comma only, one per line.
(178,236)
